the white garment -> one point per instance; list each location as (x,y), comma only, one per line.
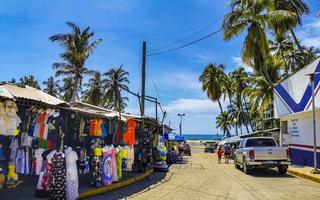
(14,146)
(22,161)
(2,125)
(39,159)
(130,157)
(26,140)
(72,174)
(14,122)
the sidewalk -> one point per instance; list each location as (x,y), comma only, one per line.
(304,172)
(26,190)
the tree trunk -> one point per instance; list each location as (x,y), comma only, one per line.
(248,113)
(220,106)
(296,41)
(75,96)
(236,128)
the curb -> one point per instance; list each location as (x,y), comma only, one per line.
(303,175)
(115,186)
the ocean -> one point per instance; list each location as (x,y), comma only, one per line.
(202,137)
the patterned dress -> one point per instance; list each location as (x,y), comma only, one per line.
(72,174)
(96,179)
(57,190)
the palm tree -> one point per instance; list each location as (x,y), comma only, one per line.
(255,16)
(67,88)
(300,8)
(260,92)
(52,86)
(224,122)
(78,46)
(30,81)
(282,46)
(116,80)
(239,79)
(212,78)
(94,92)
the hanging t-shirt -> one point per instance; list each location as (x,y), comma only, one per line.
(129,136)
(42,123)
(14,146)
(38,160)
(103,130)
(26,140)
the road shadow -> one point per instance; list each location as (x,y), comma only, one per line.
(144,185)
(267,173)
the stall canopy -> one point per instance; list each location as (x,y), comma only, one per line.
(28,93)
(173,137)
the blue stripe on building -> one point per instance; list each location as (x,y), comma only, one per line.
(303,157)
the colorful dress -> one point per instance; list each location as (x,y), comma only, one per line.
(96,179)
(107,168)
(72,174)
(58,181)
(119,162)
(114,165)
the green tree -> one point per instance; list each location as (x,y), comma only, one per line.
(300,8)
(78,46)
(115,81)
(211,79)
(30,81)
(255,17)
(224,122)
(67,88)
(94,91)
(52,86)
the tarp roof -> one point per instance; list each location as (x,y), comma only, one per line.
(13,92)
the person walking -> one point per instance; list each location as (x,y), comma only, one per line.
(227,151)
(219,154)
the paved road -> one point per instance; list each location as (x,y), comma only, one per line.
(201,177)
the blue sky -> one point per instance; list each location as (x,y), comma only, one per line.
(123,25)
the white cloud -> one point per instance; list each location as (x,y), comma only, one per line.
(309,34)
(192,106)
(239,63)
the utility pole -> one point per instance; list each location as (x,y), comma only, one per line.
(180,125)
(143,82)
(315,158)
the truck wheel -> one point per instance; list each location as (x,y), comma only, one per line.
(245,167)
(282,170)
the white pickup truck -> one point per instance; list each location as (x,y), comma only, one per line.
(261,152)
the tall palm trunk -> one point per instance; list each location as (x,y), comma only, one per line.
(248,114)
(296,41)
(220,106)
(75,96)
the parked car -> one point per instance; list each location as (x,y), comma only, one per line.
(209,148)
(261,152)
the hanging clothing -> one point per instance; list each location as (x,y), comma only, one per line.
(22,161)
(26,140)
(14,146)
(107,166)
(119,162)
(72,174)
(129,136)
(41,123)
(129,157)
(3,129)
(57,188)
(14,121)
(103,130)
(96,179)
(38,160)
(115,177)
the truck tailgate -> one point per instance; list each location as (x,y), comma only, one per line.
(270,153)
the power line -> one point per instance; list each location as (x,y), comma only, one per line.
(182,46)
(188,36)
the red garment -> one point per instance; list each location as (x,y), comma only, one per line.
(129,136)
(42,124)
(92,125)
(219,154)
(119,132)
(45,183)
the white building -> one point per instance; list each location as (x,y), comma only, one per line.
(293,105)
